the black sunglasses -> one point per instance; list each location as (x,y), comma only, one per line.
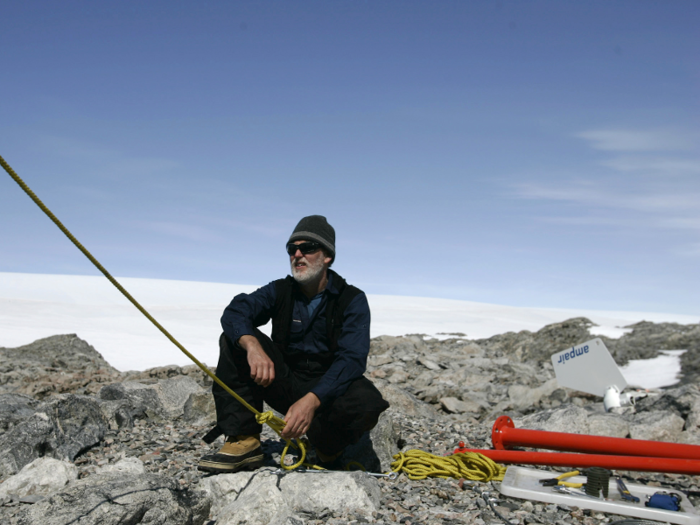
(304,247)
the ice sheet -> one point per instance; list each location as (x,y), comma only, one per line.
(34,306)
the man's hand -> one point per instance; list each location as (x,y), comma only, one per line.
(262,369)
(300,415)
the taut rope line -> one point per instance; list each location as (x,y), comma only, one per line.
(268,418)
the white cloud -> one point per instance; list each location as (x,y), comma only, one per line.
(591,220)
(663,191)
(581,192)
(682,223)
(666,165)
(649,198)
(639,140)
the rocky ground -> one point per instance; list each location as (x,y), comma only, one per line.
(81,442)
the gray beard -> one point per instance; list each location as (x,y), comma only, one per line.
(312,273)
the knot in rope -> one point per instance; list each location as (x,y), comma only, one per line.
(270,419)
(277,424)
(418,464)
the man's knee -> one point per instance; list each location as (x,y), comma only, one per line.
(348,417)
(234,351)
(362,399)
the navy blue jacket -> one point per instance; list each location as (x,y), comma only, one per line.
(309,333)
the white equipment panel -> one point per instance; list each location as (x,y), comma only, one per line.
(521,482)
(589,368)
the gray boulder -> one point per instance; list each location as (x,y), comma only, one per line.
(129,465)
(26,442)
(375,449)
(57,364)
(115,498)
(568,418)
(199,408)
(405,402)
(689,438)
(656,426)
(118,412)
(263,497)
(15,408)
(42,476)
(318,494)
(175,393)
(522,397)
(79,424)
(606,424)
(60,428)
(224,489)
(683,401)
(457,406)
(427,363)
(141,399)
(156,399)
(259,502)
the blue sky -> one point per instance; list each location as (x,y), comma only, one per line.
(540,153)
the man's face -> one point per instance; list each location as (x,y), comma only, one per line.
(307,267)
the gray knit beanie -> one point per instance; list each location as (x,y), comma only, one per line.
(315,228)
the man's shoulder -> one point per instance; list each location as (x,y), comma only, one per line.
(340,285)
(283,283)
(350,298)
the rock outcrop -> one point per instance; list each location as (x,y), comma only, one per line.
(116,498)
(57,364)
(88,444)
(269,496)
(61,427)
(41,477)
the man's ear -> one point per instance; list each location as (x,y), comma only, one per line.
(327,258)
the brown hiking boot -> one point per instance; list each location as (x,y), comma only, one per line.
(238,453)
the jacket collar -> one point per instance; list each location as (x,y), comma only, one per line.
(332,285)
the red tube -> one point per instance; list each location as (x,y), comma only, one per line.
(636,463)
(504,435)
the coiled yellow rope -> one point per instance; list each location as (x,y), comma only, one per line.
(268,418)
(417,464)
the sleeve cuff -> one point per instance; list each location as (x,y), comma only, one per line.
(239,331)
(321,393)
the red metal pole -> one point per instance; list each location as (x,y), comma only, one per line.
(504,435)
(559,459)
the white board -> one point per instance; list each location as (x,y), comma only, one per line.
(588,367)
(521,482)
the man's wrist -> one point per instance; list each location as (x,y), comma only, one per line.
(244,341)
(313,398)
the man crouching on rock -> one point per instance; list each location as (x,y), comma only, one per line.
(311,370)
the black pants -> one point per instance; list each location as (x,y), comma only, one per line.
(336,424)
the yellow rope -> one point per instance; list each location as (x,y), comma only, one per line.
(468,465)
(267,418)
